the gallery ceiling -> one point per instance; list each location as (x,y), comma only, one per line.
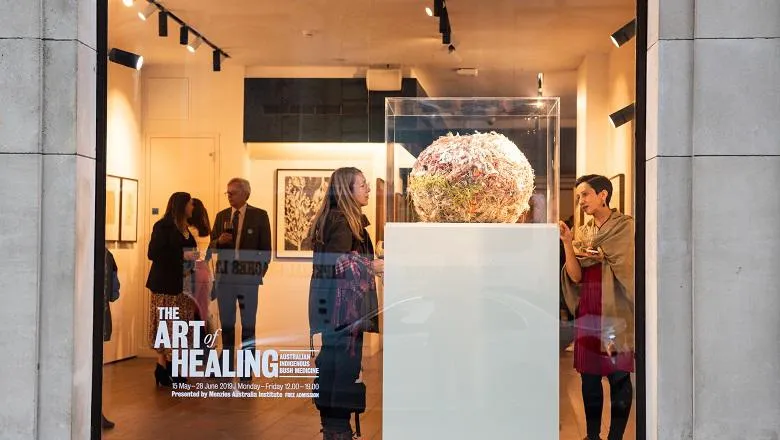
(509,41)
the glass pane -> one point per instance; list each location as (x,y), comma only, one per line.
(321,213)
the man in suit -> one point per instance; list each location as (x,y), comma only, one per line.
(242,239)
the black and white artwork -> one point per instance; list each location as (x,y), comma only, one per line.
(299,194)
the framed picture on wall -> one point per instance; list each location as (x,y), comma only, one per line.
(113,195)
(618,192)
(299,194)
(128,225)
(381,205)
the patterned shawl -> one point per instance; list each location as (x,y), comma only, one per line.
(355,276)
(615,240)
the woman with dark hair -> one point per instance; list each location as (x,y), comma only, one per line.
(173,251)
(342,298)
(200,228)
(598,285)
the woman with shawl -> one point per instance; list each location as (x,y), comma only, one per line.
(342,299)
(598,286)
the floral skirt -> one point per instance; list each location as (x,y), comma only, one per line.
(186,307)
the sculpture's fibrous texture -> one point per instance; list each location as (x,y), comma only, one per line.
(479,178)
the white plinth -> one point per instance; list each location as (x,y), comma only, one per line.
(470,331)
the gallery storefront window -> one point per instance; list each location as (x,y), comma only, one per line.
(368,220)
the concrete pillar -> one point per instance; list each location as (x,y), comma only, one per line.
(669,250)
(713,163)
(47,175)
(736,173)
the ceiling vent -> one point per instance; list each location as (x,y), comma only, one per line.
(383,80)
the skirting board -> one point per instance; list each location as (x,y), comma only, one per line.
(470,331)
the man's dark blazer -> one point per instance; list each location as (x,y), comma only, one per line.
(255,245)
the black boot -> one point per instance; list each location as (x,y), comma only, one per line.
(169,370)
(161,376)
(105,423)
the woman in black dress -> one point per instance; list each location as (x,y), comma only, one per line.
(342,298)
(173,252)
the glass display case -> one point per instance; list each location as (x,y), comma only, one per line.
(470,316)
(533,124)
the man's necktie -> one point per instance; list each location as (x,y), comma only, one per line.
(236,231)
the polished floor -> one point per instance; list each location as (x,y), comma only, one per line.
(143,412)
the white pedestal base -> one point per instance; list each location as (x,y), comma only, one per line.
(470,332)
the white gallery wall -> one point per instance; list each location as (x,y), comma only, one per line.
(606,83)
(125,158)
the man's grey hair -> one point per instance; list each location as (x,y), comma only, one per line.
(243,183)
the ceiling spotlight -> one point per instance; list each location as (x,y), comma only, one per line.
(444,21)
(195,45)
(162,25)
(623,115)
(146,13)
(438,6)
(184,35)
(128,3)
(429,11)
(127,59)
(217,58)
(624,34)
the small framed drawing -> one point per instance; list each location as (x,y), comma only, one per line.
(299,194)
(113,195)
(618,192)
(128,225)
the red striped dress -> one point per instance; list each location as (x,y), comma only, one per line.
(589,358)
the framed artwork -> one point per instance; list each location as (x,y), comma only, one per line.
(299,194)
(113,207)
(381,209)
(128,224)
(618,192)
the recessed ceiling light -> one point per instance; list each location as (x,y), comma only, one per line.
(429,11)
(128,3)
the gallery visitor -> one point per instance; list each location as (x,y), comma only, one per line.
(598,285)
(342,298)
(173,251)
(111,287)
(242,239)
(203,279)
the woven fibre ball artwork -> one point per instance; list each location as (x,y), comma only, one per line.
(478,178)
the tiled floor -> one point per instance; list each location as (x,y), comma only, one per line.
(143,412)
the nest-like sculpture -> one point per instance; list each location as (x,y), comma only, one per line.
(479,178)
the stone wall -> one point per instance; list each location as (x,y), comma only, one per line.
(47,188)
(713,169)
